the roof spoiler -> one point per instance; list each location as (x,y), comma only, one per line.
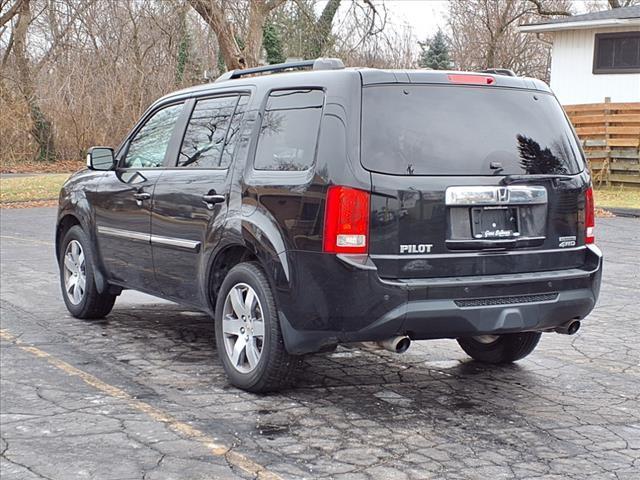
(500,71)
(317,64)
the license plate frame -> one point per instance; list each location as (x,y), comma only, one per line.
(494,222)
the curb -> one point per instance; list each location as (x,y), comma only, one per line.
(624,212)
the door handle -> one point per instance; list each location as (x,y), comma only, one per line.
(142,196)
(212,198)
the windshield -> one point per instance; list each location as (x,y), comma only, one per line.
(465,130)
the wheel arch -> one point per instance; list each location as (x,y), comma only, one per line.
(66,221)
(253,244)
(223,260)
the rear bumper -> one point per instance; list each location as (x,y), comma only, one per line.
(333,300)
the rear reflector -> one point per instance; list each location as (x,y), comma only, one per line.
(346,220)
(471,79)
(589,217)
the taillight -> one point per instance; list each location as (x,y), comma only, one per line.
(346,220)
(471,79)
(589,217)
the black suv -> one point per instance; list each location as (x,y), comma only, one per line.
(307,209)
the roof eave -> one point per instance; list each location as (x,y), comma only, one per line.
(555,27)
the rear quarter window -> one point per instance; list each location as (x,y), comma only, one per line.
(289,130)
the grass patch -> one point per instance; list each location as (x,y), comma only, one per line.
(31,166)
(617,197)
(27,189)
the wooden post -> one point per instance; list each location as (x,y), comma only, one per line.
(607,160)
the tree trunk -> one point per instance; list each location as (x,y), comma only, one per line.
(235,57)
(214,16)
(41,129)
(323,29)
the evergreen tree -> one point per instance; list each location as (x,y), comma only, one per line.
(184,48)
(272,44)
(183,56)
(435,52)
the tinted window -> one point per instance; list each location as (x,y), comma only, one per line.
(149,145)
(207,129)
(289,130)
(617,52)
(455,130)
(234,132)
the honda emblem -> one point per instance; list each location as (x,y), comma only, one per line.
(503,194)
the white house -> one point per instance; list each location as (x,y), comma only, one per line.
(595,55)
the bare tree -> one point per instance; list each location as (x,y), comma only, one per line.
(216,14)
(485,34)
(319,29)
(41,128)
(8,10)
(76,73)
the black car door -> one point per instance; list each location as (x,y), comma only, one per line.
(190,200)
(123,202)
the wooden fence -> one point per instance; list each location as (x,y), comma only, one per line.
(610,136)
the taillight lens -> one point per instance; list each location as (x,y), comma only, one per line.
(346,220)
(589,217)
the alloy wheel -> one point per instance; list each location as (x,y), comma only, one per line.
(243,327)
(75,276)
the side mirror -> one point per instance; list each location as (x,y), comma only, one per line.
(100,158)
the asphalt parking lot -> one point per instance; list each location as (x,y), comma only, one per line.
(141,395)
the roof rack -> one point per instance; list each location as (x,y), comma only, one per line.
(500,71)
(317,64)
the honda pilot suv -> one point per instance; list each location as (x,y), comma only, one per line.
(308,205)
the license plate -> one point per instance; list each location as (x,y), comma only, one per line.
(494,223)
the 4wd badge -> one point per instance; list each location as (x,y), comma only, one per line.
(564,242)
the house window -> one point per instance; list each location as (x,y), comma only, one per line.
(617,53)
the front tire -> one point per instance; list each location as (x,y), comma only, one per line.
(79,290)
(248,336)
(500,348)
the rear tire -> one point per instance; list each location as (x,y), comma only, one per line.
(504,349)
(248,336)
(77,268)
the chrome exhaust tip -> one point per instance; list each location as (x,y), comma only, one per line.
(569,328)
(396,344)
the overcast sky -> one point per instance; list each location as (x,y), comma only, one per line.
(424,16)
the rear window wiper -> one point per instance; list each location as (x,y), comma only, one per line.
(510,179)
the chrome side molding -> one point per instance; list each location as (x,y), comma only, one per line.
(153,239)
(128,234)
(175,242)
(495,195)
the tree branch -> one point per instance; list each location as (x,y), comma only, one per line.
(541,10)
(9,14)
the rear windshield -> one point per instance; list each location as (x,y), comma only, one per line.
(465,130)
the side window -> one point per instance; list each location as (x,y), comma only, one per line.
(234,132)
(206,133)
(149,145)
(289,130)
